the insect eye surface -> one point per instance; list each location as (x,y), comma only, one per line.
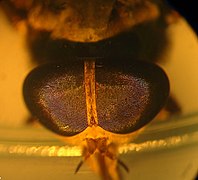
(55,95)
(127,96)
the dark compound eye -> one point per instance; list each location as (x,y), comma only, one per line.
(55,94)
(129,96)
(126,96)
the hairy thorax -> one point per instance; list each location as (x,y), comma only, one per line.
(85,20)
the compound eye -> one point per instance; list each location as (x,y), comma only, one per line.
(129,96)
(123,97)
(55,95)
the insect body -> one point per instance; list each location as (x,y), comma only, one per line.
(98,104)
(99,92)
(59,30)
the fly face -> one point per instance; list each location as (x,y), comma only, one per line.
(98,104)
(100,95)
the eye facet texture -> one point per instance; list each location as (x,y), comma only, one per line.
(128,96)
(55,95)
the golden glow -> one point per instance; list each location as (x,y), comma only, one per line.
(71,151)
(37,150)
